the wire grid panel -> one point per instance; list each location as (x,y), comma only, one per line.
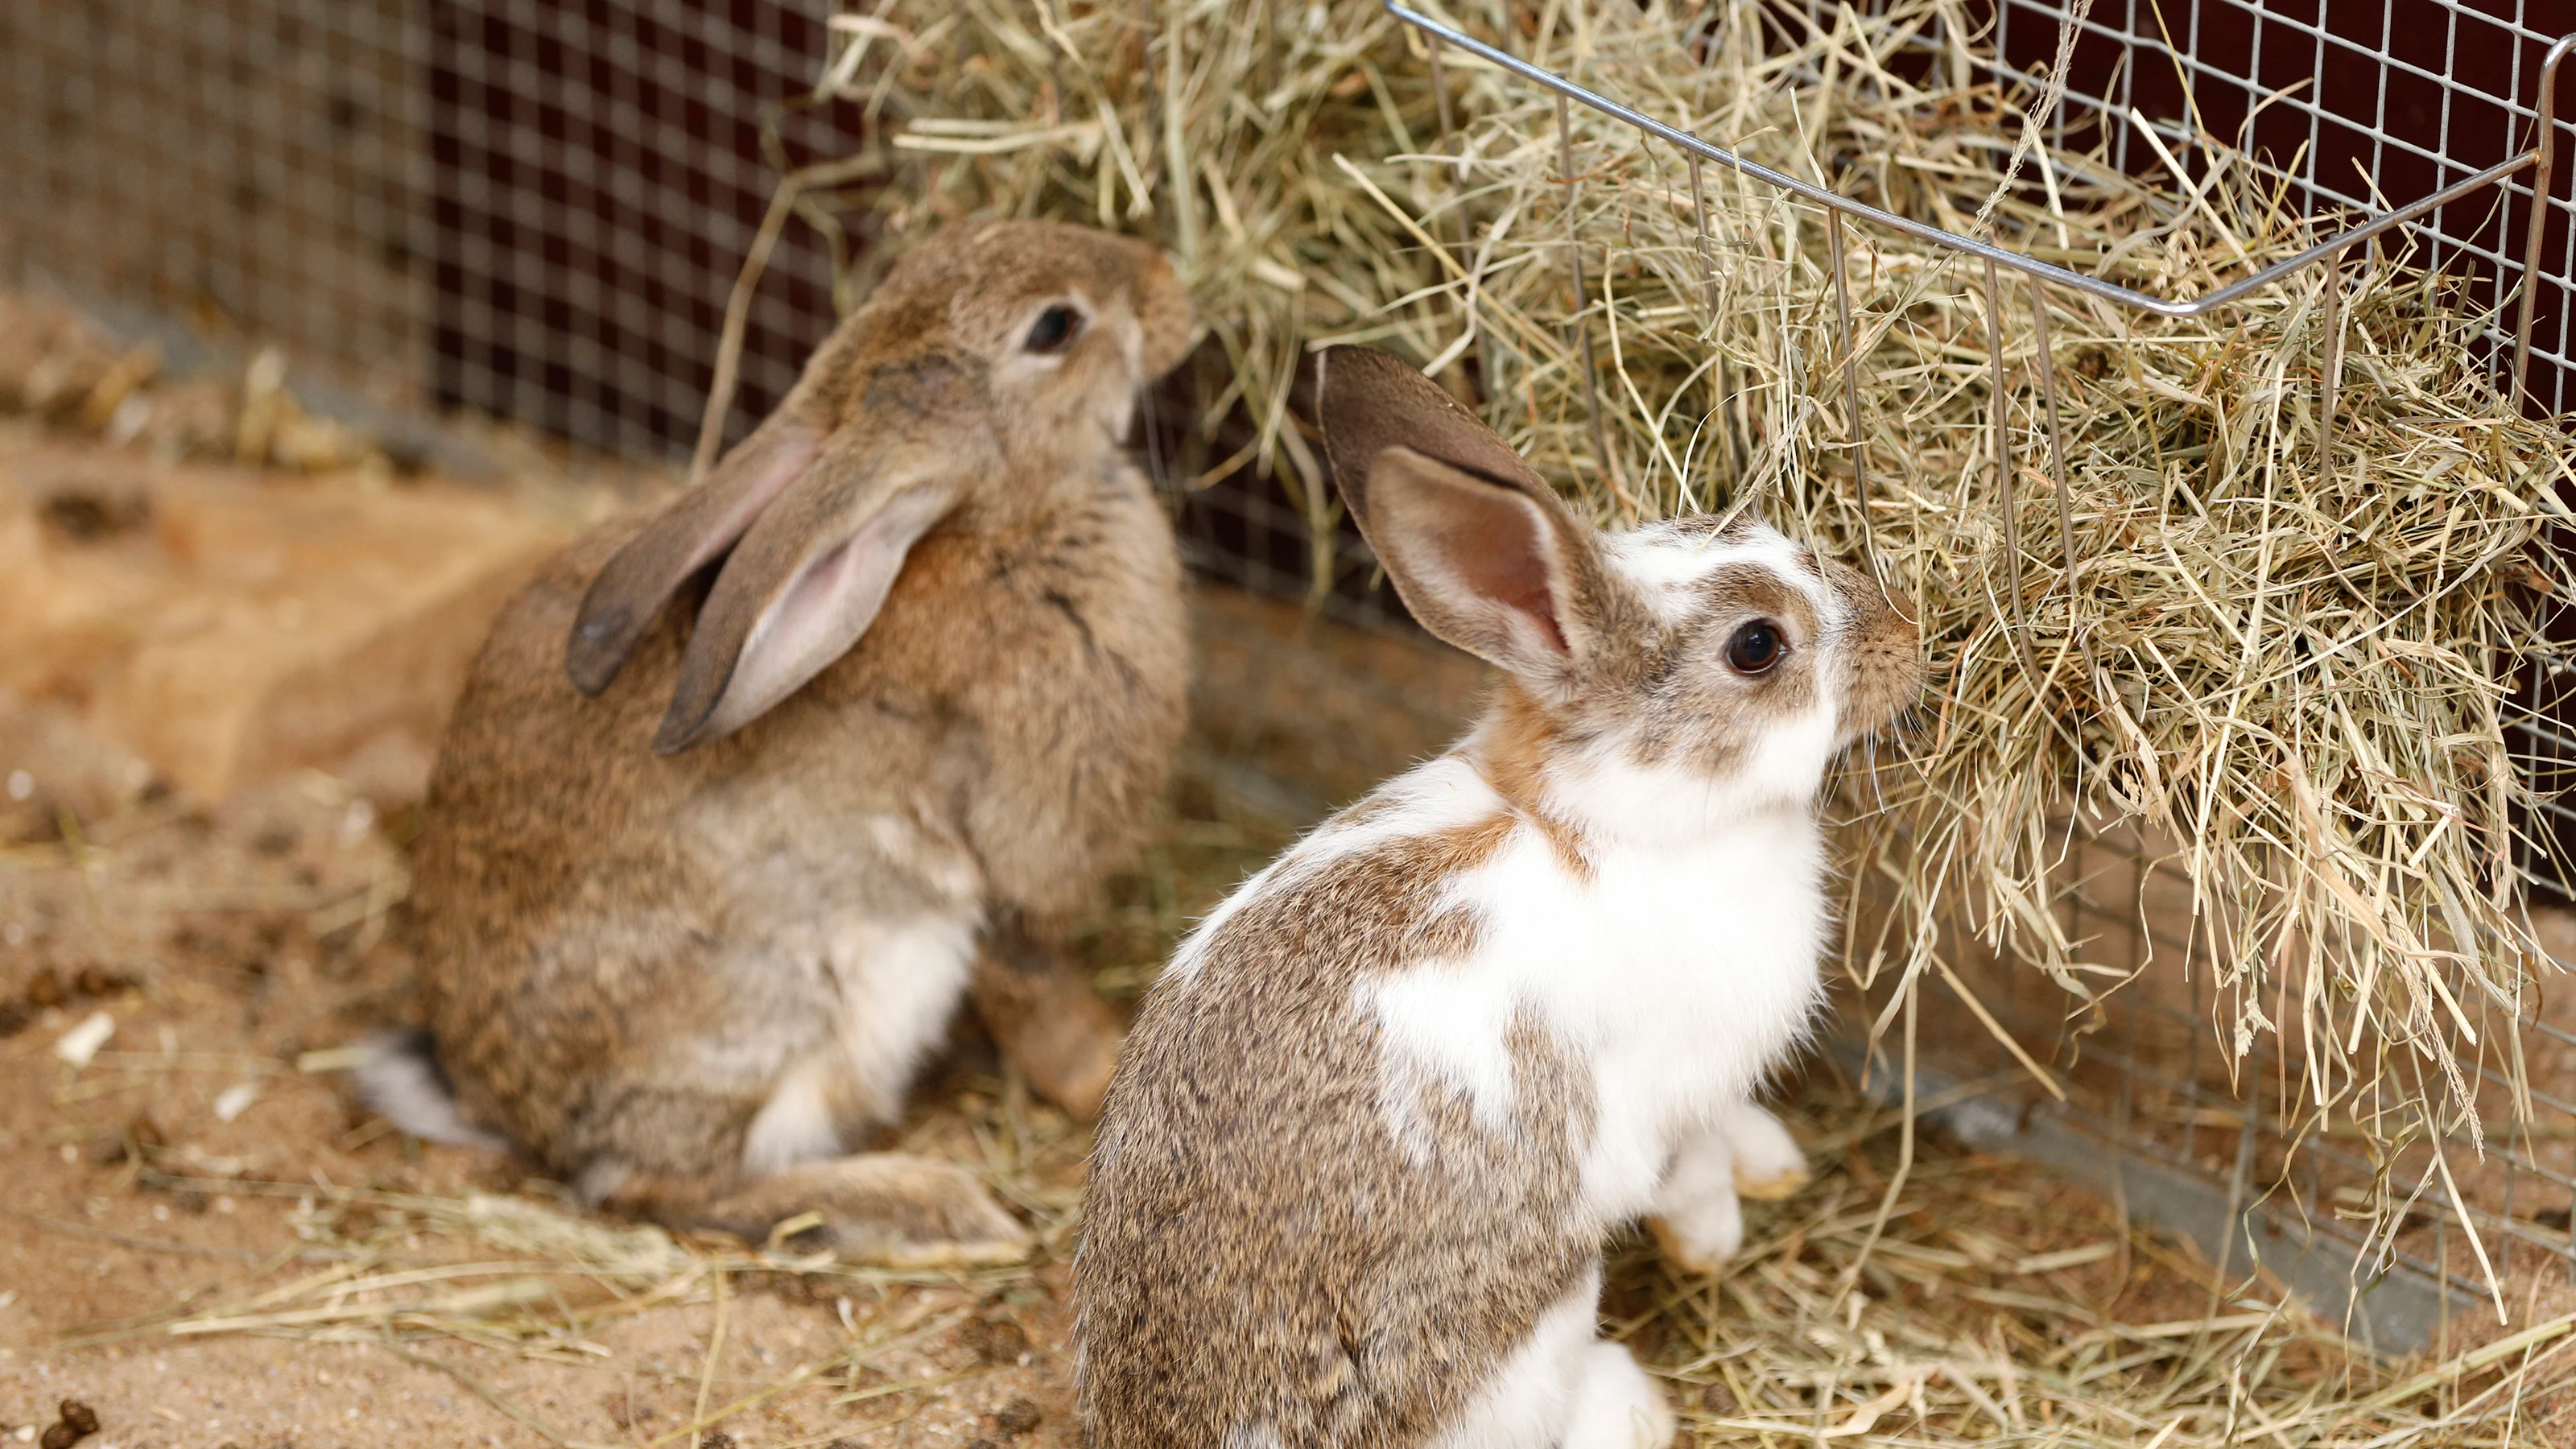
(533,210)
(599,171)
(2354,106)
(254,168)
(529,209)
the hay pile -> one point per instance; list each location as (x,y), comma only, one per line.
(2294,671)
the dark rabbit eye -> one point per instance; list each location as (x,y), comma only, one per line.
(1054,329)
(1755,648)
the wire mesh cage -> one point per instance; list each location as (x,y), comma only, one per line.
(542,211)
(2365,124)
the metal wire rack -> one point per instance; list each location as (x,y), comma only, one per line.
(2150,1108)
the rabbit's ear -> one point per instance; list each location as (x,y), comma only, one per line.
(804,584)
(692,532)
(1484,567)
(1477,544)
(1369,401)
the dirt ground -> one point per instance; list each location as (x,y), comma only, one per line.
(190,1170)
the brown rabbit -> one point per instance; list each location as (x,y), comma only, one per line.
(900,679)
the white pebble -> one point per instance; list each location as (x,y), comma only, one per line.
(21,784)
(235,1100)
(82,1042)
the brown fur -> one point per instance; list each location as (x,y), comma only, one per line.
(1511,752)
(1260,1248)
(622,952)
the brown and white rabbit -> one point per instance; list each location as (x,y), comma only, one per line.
(1369,1134)
(900,679)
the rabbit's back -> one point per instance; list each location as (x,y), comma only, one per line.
(1283,1235)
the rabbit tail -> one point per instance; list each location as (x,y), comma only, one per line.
(402,1081)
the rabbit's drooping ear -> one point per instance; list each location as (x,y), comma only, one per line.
(1478,546)
(803,585)
(692,532)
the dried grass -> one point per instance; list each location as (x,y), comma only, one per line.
(2296,671)
(1993,1307)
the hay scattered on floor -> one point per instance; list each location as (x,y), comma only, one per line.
(2297,669)
(1993,1305)
(2000,1307)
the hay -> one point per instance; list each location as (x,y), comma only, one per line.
(1993,1306)
(2295,671)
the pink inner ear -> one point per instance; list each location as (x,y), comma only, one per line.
(1493,546)
(824,608)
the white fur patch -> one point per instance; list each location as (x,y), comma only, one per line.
(1664,561)
(1452,1028)
(1664,564)
(899,984)
(1437,795)
(1677,974)
(401,1082)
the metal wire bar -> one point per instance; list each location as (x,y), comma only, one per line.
(2330,383)
(1582,297)
(1851,379)
(2545,144)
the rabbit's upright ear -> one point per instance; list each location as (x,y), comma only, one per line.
(804,584)
(692,532)
(1476,543)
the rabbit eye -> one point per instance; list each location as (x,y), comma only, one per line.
(1755,648)
(1054,330)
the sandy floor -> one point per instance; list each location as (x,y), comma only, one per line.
(190,1177)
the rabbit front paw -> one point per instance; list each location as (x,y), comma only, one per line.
(1698,1220)
(1768,1164)
(1698,1215)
